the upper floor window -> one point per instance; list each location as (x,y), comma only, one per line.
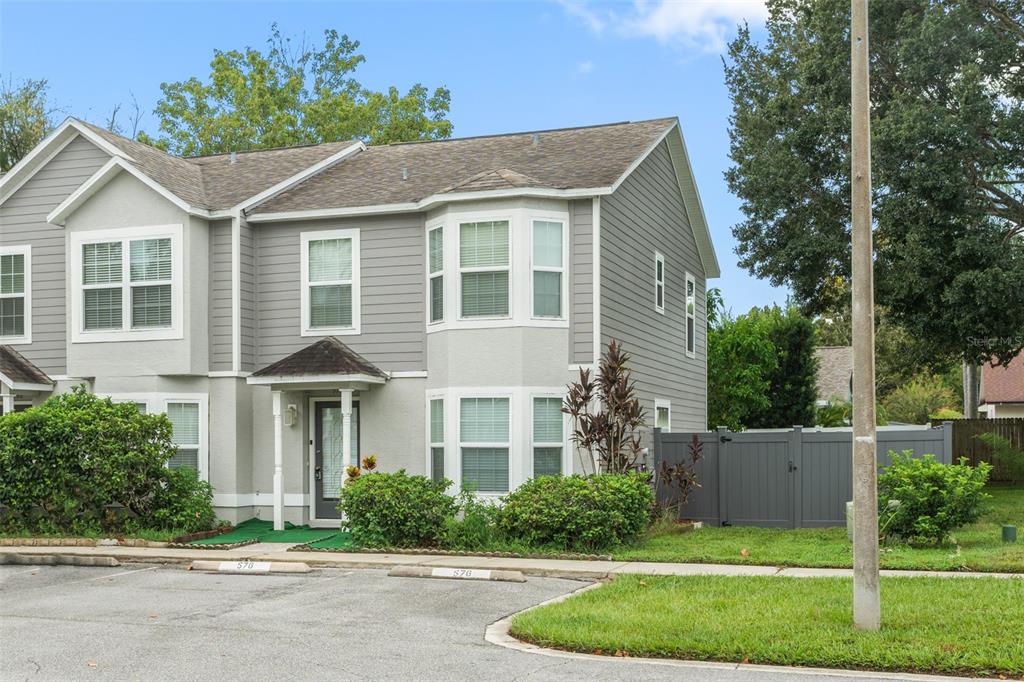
(330,282)
(659,282)
(691,315)
(435,271)
(484,268)
(548,266)
(128,284)
(15,304)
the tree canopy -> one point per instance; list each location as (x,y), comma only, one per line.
(292,95)
(26,117)
(948,144)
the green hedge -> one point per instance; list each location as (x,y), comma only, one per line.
(81,464)
(396,509)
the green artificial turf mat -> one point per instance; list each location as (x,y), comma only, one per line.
(263,531)
(339,540)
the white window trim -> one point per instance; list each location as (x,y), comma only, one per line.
(305,238)
(667,404)
(125,236)
(562,269)
(690,316)
(156,403)
(443,443)
(26,251)
(520,273)
(659,258)
(440,273)
(564,444)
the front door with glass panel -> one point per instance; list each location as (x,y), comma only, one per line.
(329,471)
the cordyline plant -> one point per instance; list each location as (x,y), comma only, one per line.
(683,474)
(606,414)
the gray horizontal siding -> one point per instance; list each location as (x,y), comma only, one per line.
(391,283)
(23,221)
(220,295)
(645,214)
(247,282)
(581,293)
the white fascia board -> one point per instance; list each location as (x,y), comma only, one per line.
(49,147)
(104,175)
(315,379)
(643,157)
(23,386)
(694,206)
(430,202)
(301,176)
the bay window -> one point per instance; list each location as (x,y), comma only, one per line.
(435,269)
(548,435)
(437,439)
(330,282)
(484,268)
(15,284)
(548,265)
(484,444)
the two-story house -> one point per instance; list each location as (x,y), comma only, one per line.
(291,310)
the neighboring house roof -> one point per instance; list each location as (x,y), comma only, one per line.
(835,369)
(17,372)
(322,180)
(1003,384)
(328,356)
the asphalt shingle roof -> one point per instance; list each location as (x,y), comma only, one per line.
(326,356)
(1003,384)
(17,368)
(569,158)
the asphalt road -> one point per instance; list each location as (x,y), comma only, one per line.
(164,623)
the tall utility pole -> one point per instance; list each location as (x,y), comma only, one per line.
(866,601)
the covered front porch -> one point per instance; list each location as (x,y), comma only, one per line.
(323,381)
(22,384)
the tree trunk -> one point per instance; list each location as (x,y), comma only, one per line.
(971,390)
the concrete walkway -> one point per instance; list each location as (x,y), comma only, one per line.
(582,570)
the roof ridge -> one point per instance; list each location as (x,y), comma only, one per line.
(527,132)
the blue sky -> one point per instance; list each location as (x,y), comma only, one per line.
(509,66)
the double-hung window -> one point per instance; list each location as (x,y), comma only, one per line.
(435,257)
(484,268)
(437,439)
(15,283)
(659,282)
(330,287)
(184,417)
(127,284)
(484,444)
(663,415)
(547,268)
(691,315)
(547,437)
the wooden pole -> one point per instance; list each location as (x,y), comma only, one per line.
(866,600)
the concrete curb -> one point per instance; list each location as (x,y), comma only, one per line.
(439,573)
(249,567)
(33,559)
(497,633)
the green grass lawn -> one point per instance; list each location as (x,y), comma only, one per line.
(935,625)
(977,547)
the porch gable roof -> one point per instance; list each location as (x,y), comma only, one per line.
(18,373)
(326,361)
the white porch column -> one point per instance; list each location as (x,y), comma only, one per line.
(7,398)
(346,426)
(278,463)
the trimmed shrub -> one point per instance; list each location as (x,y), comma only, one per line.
(82,464)
(396,509)
(184,502)
(578,513)
(474,528)
(922,499)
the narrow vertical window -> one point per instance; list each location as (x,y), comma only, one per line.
(437,439)
(659,282)
(484,268)
(150,281)
(484,444)
(435,250)
(663,415)
(547,437)
(330,283)
(102,287)
(184,419)
(14,306)
(548,266)
(691,315)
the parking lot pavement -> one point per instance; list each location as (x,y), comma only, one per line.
(161,623)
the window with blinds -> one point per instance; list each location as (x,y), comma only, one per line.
(548,267)
(12,294)
(184,418)
(484,444)
(330,283)
(147,288)
(548,433)
(437,439)
(484,268)
(435,268)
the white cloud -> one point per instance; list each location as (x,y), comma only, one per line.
(583,68)
(701,24)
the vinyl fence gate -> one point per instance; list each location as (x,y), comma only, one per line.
(786,478)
